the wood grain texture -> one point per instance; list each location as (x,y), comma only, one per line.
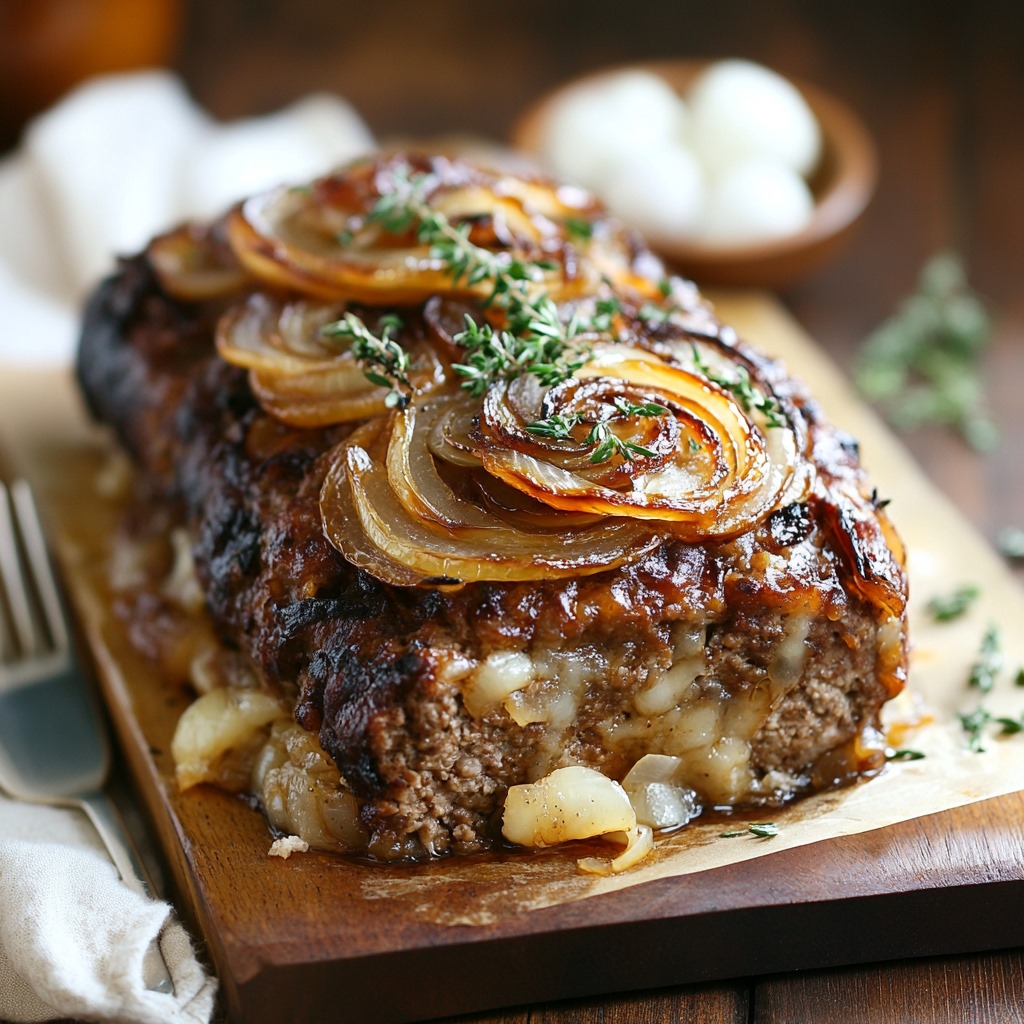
(694,1004)
(969,990)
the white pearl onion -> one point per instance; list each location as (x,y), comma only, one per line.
(756,201)
(725,166)
(740,110)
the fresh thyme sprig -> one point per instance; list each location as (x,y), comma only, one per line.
(535,339)
(760,830)
(988,663)
(749,397)
(973,724)
(923,365)
(985,669)
(384,361)
(493,355)
(606,443)
(945,608)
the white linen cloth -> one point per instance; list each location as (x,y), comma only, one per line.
(118,160)
(74,938)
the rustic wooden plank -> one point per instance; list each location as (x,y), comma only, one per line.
(985,989)
(706,1004)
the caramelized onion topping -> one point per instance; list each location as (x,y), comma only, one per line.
(298,372)
(703,465)
(387,507)
(606,412)
(324,242)
(194,264)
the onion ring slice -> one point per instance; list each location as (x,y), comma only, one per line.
(726,475)
(193,265)
(301,376)
(370,525)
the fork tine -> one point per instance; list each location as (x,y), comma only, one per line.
(31,529)
(27,635)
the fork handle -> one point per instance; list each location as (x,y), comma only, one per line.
(107,822)
(101,811)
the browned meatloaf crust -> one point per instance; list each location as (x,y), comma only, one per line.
(798,653)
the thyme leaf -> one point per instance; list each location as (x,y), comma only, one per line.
(945,608)
(384,361)
(761,830)
(1010,726)
(606,443)
(905,755)
(749,397)
(923,365)
(535,339)
(973,724)
(988,663)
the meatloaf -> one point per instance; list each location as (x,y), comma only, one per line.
(473,490)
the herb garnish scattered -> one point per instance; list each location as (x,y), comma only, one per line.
(493,355)
(742,387)
(922,366)
(945,608)
(607,443)
(989,662)
(384,361)
(1011,726)
(987,665)
(580,229)
(534,339)
(905,754)
(761,830)
(973,724)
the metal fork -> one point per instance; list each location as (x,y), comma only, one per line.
(53,745)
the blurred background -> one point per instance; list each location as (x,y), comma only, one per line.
(940,88)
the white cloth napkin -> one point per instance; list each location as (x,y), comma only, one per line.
(74,938)
(118,160)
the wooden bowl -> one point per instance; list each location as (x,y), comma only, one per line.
(842,186)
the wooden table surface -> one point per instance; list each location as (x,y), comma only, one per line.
(941,89)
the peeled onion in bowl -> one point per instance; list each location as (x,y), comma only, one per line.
(755,201)
(739,109)
(590,128)
(659,191)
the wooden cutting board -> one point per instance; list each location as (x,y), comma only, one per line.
(319,938)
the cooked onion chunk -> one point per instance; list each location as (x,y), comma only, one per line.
(571,803)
